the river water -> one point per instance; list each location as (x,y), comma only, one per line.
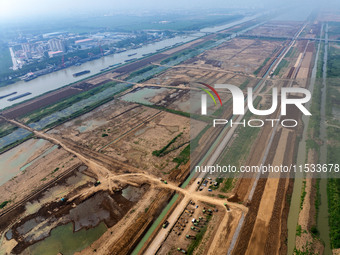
(294,209)
(322,220)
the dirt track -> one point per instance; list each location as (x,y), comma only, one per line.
(96,163)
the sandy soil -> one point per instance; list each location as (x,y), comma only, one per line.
(133,133)
(257,240)
(240,55)
(277,28)
(307,214)
(37,174)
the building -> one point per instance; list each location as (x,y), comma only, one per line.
(40,49)
(28,55)
(57,45)
(52,54)
(26,47)
(84,43)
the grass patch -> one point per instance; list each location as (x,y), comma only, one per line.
(291,52)
(282,64)
(244,84)
(317,198)
(257,71)
(162,152)
(227,185)
(298,230)
(183,157)
(314,230)
(333,193)
(55,170)
(240,147)
(303,194)
(3,204)
(333,149)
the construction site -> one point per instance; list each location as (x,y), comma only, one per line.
(119,179)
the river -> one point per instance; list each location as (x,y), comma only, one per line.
(294,209)
(322,220)
(64,77)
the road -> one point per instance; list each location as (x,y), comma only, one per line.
(226,136)
(106,177)
(251,193)
(220,144)
(14,60)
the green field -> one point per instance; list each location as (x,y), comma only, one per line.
(282,65)
(333,136)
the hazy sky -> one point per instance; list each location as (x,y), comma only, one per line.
(18,9)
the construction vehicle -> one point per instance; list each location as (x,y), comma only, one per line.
(195,229)
(181,250)
(165,224)
(225,204)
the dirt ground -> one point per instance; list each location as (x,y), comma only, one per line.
(258,239)
(307,215)
(133,133)
(177,237)
(328,16)
(276,28)
(240,55)
(40,172)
